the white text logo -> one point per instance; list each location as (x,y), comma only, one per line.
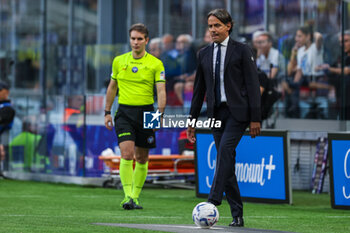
(347,175)
(254,172)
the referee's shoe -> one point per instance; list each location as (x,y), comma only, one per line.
(129,204)
(136,204)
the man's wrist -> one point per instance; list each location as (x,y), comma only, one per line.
(107,112)
(161,112)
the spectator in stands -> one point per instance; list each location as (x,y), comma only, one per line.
(255,37)
(26,144)
(183,47)
(74,126)
(309,56)
(269,95)
(169,45)
(268,58)
(172,67)
(73,111)
(7,114)
(74,120)
(206,40)
(292,102)
(292,64)
(187,61)
(155,47)
(336,68)
(185,146)
(188,89)
(335,71)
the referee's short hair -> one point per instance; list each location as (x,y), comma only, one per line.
(223,16)
(139,27)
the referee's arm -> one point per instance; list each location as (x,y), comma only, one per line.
(161,96)
(111,92)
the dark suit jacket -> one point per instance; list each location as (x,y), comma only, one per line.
(240,80)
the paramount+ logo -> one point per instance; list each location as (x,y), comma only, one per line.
(346,192)
(253,173)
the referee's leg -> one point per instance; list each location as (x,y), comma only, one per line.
(127,149)
(140,174)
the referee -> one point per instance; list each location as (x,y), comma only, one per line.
(134,75)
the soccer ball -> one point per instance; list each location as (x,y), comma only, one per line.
(205,215)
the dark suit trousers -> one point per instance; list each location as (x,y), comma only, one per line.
(226,140)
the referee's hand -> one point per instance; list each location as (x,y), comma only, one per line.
(109,122)
(161,123)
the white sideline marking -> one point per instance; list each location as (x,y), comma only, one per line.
(112,216)
(168,196)
(27,215)
(187,227)
(191,227)
(93,196)
(337,216)
(153,217)
(138,216)
(267,217)
(42,196)
(271,217)
(23,196)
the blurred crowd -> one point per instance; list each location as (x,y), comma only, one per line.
(303,68)
(179,57)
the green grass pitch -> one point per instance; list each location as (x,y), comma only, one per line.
(42,207)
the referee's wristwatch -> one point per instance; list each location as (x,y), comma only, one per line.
(107,112)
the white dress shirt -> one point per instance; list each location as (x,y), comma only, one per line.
(222,61)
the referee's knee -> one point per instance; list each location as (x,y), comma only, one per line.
(127,154)
(141,155)
(142,160)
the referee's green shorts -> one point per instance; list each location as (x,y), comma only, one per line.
(129,126)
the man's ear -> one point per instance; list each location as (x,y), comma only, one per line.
(229,25)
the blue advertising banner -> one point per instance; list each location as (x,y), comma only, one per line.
(339,154)
(261,166)
(72,150)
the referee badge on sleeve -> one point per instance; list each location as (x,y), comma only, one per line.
(162,76)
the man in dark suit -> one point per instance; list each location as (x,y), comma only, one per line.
(227,75)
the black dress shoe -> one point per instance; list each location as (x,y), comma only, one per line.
(237,222)
(214,202)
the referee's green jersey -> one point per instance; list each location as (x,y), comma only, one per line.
(136,78)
